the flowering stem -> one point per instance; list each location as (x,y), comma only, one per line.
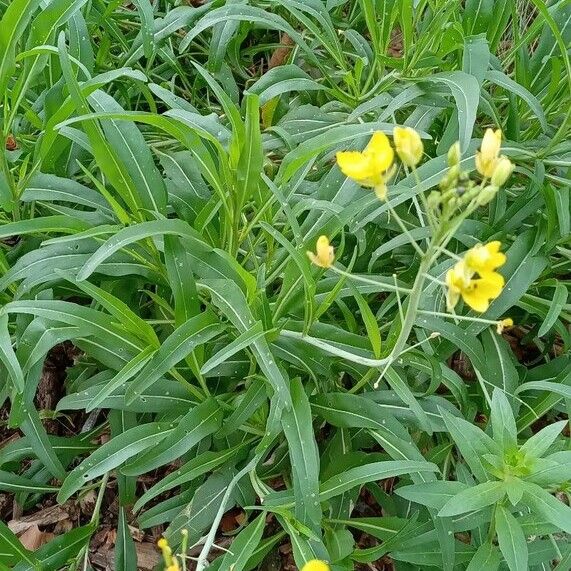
(405,230)
(361,279)
(202,561)
(459,317)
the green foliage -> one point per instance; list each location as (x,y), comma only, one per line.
(159,187)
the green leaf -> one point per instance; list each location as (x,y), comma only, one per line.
(555,307)
(8,357)
(538,444)
(283,79)
(466,93)
(369,473)
(304,457)
(487,557)
(63,548)
(175,348)
(244,545)
(241,342)
(191,470)
(472,442)
(125,553)
(511,540)
(512,86)
(14,22)
(114,454)
(542,502)
(250,163)
(13,550)
(139,232)
(231,301)
(431,494)
(197,424)
(503,421)
(10,482)
(559,389)
(474,498)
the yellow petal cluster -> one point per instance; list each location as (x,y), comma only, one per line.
(315,565)
(324,255)
(474,278)
(489,163)
(372,167)
(408,145)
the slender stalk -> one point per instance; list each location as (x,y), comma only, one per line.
(202,561)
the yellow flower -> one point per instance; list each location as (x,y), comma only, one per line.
(171,563)
(485,258)
(324,255)
(476,292)
(503,323)
(408,145)
(370,168)
(315,565)
(487,156)
(502,171)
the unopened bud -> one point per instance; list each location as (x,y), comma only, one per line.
(502,171)
(450,177)
(487,194)
(433,200)
(454,154)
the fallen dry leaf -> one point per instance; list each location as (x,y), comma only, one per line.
(47,516)
(33,538)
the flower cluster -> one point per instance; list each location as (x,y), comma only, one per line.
(474,277)
(374,167)
(171,562)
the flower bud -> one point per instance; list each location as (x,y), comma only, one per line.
(502,171)
(409,145)
(450,177)
(454,154)
(487,156)
(433,200)
(324,255)
(486,194)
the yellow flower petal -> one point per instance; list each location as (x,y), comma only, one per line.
(315,565)
(485,258)
(409,145)
(481,291)
(491,143)
(380,152)
(355,165)
(503,169)
(486,158)
(370,167)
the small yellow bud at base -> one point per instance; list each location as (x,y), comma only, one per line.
(408,145)
(502,171)
(324,255)
(454,154)
(315,565)
(503,324)
(487,194)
